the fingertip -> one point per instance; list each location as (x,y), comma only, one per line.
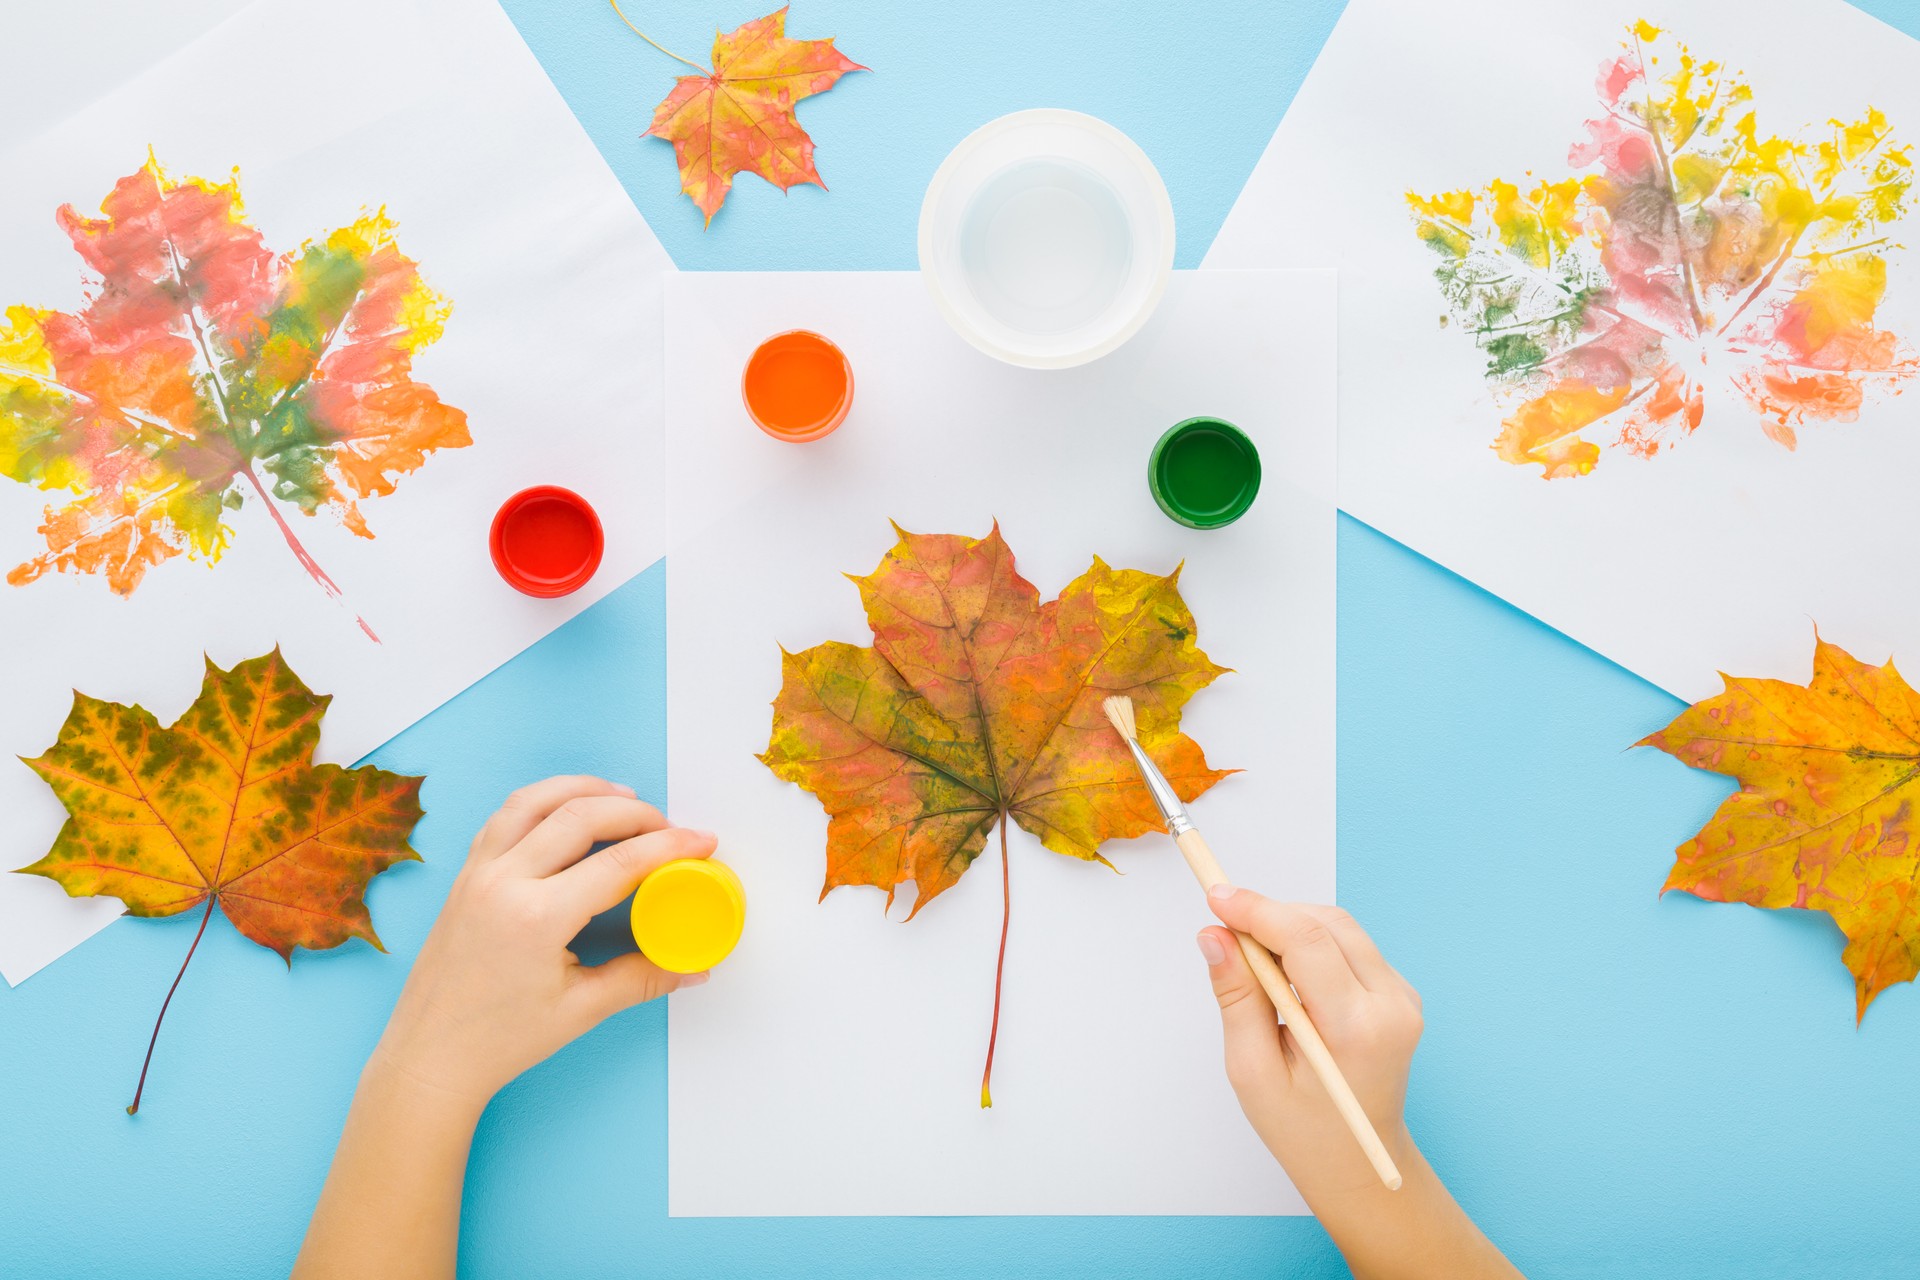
(692,980)
(1229,903)
(1211,949)
(686,842)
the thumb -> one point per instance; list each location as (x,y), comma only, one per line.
(602,990)
(1251,1029)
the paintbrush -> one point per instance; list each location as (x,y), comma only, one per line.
(1206,869)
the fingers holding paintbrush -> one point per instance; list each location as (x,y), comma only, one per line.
(1260,960)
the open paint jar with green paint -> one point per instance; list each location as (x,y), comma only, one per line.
(1204,472)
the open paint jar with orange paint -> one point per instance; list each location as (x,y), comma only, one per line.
(797,386)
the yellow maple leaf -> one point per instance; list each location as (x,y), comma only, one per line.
(1829,778)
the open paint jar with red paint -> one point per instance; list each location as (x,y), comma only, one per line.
(546,541)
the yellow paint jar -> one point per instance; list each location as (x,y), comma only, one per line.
(688,914)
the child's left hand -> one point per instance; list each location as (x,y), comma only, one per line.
(495,989)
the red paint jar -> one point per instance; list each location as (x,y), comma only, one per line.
(547,541)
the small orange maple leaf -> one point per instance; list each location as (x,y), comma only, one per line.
(738,117)
(1829,777)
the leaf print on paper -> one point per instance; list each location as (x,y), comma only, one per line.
(978,704)
(206,373)
(1694,255)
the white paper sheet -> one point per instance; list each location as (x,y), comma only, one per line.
(1717,556)
(111,41)
(438,111)
(833,1064)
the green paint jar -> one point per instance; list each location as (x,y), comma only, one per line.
(1204,473)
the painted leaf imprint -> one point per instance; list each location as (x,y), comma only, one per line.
(1694,255)
(205,373)
(978,704)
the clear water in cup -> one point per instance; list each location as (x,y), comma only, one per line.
(1045,247)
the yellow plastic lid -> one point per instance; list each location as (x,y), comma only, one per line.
(688,914)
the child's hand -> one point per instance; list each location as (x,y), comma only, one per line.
(495,989)
(1370,1018)
(1366,1012)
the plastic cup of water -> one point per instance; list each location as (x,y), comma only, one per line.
(1046,238)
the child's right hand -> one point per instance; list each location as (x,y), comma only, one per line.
(1366,1012)
(1370,1018)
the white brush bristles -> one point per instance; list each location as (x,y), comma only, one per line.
(1119,710)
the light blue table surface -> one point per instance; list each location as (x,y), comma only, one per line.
(1614,1084)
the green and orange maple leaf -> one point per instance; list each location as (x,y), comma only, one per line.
(1693,256)
(225,807)
(206,372)
(1824,819)
(976,705)
(738,117)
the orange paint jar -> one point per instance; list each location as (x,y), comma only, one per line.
(797,386)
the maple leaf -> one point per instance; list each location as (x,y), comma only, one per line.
(977,704)
(738,117)
(1824,818)
(204,369)
(225,808)
(1694,253)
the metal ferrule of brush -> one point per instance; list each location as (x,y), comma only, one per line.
(1178,823)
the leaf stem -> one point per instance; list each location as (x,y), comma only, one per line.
(155,1038)
(655,43)
(1766,281)
(1673,196)
(300,553)
(1000,965)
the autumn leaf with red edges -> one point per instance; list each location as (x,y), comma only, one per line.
(977,704)
(1825,817)
(738,117)
(207,373)
(225,808)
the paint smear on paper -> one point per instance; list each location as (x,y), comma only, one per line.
(205,374)
(1690,253)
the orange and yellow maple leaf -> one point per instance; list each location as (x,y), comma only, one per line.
(738,117)
(226,808)
(977,704)
(1824,818)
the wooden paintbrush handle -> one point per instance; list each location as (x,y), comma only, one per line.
(1206,869)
